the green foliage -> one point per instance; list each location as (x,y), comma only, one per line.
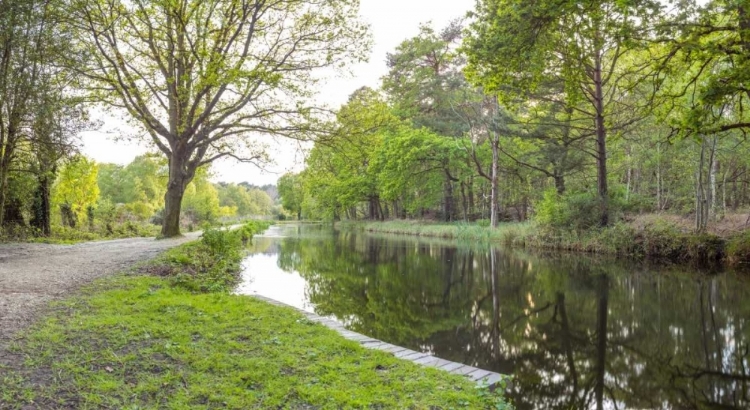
(242,201)
(201,201)
(213,263)
(76,189)
(577,211)
(738,250)
(291,192)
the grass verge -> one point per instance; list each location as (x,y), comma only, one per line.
(134,342)
(657,240)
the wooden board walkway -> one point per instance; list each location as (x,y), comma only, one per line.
(480,376)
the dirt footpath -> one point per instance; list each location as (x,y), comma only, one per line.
(33,274)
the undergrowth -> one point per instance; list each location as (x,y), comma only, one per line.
(659,240)
(211,264)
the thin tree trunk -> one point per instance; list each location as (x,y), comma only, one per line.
(448,199)
(470,194)
(700,201)
(658,178)
(3,193)
(494,194)
(712,171)
(464,202)
(559,183)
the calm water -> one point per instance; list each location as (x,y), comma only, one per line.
(576,332)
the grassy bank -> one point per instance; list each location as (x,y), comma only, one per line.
(656,240)
(176,338)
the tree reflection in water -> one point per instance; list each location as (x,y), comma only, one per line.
(576,332)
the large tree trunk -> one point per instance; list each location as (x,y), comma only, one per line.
(5,159)
(179,178)
(601,143)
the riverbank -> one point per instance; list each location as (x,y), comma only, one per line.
(655,240)
(171,334)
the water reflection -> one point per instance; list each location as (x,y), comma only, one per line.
(576,332)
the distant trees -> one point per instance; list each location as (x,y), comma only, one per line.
(291,193)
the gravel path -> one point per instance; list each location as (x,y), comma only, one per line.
(33,274)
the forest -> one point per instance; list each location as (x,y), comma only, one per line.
(576,116)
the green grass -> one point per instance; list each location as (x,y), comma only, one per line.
(179,340)
(507,232)
(138,342)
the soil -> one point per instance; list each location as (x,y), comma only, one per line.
(31,275)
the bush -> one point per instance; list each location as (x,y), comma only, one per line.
(577,211)
(211,264)
(738,249)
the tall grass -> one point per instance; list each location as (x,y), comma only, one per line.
(509,233)
(659,240)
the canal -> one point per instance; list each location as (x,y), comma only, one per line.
(575,331)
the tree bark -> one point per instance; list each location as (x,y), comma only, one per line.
(470,194)
(179,178)
(448,200)
(494,194)
(42,206)
(601,143)
(560,183)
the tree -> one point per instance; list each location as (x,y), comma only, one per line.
(410,165)
(201,76)
(708,64)
(291,192)
(76,189)
(201,202)
(425,84)
(514,46)
(340,167)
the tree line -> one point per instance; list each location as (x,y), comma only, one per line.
(91,200)
(200,80)
(576,113)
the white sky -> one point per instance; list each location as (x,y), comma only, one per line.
(392,21)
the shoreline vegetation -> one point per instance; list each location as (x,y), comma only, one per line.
(657,239)
(170,334)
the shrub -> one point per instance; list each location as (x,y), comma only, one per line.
(738,249)
(211,264)
(577,211)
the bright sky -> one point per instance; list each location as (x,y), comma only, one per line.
(392,21)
